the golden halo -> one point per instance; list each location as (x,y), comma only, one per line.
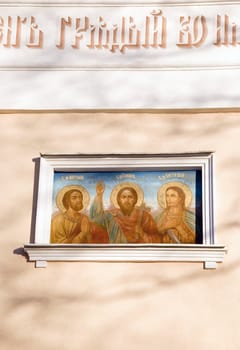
(61,193)
(117,188)
(162,191)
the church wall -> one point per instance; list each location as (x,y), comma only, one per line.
(117,306)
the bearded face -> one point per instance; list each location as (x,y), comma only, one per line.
(75,201)
(127,201)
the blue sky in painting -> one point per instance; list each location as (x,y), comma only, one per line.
(150,181)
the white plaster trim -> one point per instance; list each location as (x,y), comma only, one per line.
(116,3)
(75,84)
(120,90)
(77,162)
(123,69)
(208,254)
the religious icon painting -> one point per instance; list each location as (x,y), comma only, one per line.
(125,207)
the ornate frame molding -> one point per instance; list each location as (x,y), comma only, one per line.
(41,251)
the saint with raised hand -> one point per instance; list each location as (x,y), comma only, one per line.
(128,221)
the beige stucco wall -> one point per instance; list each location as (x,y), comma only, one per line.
(118,306)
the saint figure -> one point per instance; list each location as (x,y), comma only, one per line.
(70,225)
(176,223)
(128,221)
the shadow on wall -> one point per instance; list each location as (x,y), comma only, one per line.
(129,287)
(35,197)
(20,250)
